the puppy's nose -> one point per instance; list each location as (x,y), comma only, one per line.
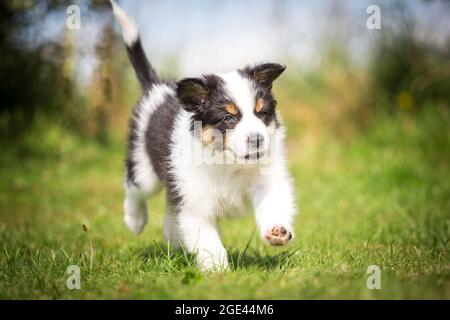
(255,140)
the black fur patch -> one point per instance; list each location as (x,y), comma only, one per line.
(267,113)
(158,135)
(158,145)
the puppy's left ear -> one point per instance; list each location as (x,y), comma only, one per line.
(193,93)
(265,74)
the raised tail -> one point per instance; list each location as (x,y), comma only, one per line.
(144,71)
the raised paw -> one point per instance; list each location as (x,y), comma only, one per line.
(278,235)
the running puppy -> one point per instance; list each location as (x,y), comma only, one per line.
(215,142)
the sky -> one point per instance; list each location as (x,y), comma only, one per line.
(217,36)
(221,35)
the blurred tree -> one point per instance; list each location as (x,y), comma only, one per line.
(102,84)
(29,79)
(37,77)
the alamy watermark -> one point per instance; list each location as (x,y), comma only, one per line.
(73,20)
(374,280)
(74,279)
(373,21)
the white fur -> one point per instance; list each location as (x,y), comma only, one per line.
(129,30)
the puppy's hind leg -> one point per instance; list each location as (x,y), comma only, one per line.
(135,204)
(141,182)
(135,208)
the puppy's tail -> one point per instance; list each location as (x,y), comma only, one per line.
(144,71)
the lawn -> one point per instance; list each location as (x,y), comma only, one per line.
(380,197)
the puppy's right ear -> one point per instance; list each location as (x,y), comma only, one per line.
(193,93)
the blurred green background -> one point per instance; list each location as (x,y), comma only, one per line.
(367,117)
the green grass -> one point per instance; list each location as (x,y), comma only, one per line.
(381,197)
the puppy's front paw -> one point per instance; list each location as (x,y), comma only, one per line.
(278,235)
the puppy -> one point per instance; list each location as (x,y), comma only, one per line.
(216,143)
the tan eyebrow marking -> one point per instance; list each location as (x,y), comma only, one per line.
(231,108)
(259,105)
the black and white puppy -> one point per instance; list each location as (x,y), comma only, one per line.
(231,116)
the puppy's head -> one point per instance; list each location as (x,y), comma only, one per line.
(238,106)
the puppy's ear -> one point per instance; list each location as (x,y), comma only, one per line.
(265,74)
(193,93)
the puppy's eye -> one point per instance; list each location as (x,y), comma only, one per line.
(229,118)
